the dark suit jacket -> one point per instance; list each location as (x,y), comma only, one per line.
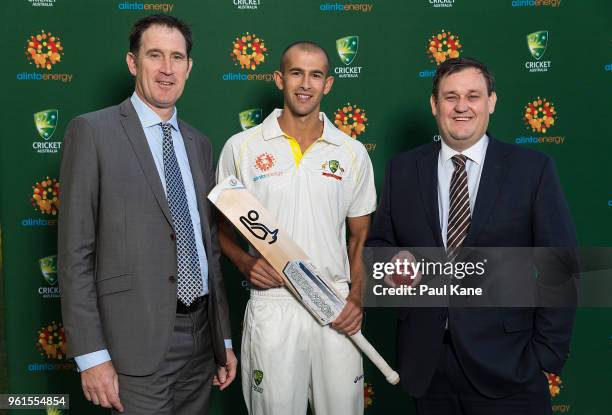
(116,247)
(519,204)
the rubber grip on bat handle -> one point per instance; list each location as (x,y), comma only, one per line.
(369,350)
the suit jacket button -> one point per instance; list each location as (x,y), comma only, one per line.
(173,236)
(172,278)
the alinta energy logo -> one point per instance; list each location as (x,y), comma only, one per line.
(44,199)
(346,7)
(536,3)
(247,4)
(139,6)
(440,47)
(51,344)
(44,50)
(42,3)
(352,120)
(48,269)
(250,118)
(555,386)
(45,122)
(540,115)
(264,162)
(248,52)
(537,43)
(347,48)
(442,3)
(368,395)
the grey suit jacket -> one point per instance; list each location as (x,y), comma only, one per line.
(116,248)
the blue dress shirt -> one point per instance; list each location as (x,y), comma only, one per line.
(150,122)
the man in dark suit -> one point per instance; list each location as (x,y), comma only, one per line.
(143,301)
(475,191)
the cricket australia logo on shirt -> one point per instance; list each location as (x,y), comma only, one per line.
(257,379)
(263,163)
(332,168)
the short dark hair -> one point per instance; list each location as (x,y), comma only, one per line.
(161,20)
(304,45)
(454,65)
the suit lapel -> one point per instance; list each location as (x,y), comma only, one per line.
(492,176)
(199,181)
(136,136)
(427,167)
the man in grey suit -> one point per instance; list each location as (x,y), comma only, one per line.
(143,301)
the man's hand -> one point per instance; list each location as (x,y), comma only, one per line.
(226,374)
(101,386)
(349,320)
(260,273)
(410,278)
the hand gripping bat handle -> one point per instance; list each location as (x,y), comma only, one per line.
(375,357)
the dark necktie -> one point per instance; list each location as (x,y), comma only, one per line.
(459,213)
(189,273)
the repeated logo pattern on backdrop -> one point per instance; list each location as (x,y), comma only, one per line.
(45,122)
(250,118)
(540,116)
(537,42)
(347,48)
(44,50)
(248,52)
(440,47)
(45,196)
(376,48)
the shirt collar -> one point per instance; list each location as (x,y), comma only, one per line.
(271,129)
(476,152)
(148,117)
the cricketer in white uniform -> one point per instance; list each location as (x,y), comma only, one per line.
(314,179)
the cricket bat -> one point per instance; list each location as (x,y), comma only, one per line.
(301,278)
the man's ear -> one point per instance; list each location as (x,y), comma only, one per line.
(329,81)
(130,59)
(189,67)
(492,101)
(278,80)
(433,102)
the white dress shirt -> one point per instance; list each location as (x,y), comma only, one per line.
(475,160)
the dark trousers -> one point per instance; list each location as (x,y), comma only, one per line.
(182,383)
(451,393)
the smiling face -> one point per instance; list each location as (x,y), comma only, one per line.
(304,80)
(161,68)
(462,108)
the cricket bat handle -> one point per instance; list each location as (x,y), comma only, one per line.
(369,350)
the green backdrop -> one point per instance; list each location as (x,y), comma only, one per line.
(553,57)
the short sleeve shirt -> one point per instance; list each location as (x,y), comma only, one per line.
(311,196)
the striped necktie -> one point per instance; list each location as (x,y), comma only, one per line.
(459,214)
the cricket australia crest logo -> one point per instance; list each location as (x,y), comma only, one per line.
(249,118)
(347,48)
(46,123)
(48,268)
(537,42)
(257,379)
(332,168)
(347,51)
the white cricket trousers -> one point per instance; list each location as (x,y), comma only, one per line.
(288,359)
